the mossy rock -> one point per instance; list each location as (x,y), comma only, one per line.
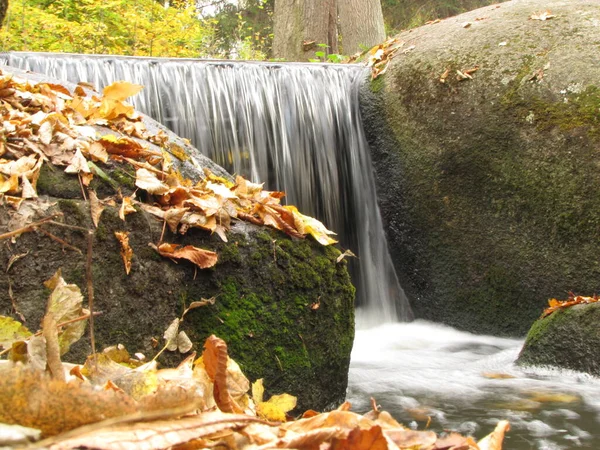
(489,187)
(284,306)
(568,338)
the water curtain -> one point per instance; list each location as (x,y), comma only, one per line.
(296,127)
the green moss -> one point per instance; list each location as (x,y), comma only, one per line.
(377,85)
(53,181)
(72,211)
(123,177)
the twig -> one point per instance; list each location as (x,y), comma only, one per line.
(90,289)
(59,240)
(28,228)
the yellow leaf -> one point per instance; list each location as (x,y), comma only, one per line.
(308,225)
(258,391)
(11,331)
(121,90)
(126,207)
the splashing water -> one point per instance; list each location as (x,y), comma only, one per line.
(296,127)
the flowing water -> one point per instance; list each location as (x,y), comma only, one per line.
(295,127)
(467,383)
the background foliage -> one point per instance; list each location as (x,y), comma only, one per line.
(176,28)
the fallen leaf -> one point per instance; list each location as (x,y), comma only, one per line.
(347,253)
(544,15)
(493,441)
(126,250)
(11,331)
(200,257)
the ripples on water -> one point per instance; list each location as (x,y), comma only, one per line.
(419,370)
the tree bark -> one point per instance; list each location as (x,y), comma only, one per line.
(361,25)
(3,8)
(300,25)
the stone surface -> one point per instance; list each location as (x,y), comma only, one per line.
(284,306)
(489,187)
(568,338)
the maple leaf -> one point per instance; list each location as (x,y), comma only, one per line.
(200,257)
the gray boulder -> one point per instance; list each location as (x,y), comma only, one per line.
(488,182)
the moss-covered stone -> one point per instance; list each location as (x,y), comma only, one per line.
(568,338)
(489,187)
(284,307)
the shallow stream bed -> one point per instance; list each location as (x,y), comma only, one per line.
(467,383)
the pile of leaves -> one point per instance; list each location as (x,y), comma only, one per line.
(555,305)
(119,401)
(45,123)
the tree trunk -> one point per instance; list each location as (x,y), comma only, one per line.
(361,25)
(301,25)
(3,8)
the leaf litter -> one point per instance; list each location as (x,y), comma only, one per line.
(119,401)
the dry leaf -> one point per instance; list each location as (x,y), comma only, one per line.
(200,257)
(96,207)
(126,250)
(215,361)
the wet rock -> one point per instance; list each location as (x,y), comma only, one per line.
(489,187)
(568,338)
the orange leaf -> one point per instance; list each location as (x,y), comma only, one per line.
(215,363)
(359,439)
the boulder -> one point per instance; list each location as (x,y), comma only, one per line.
(283,305)
(485,137)
(568,338)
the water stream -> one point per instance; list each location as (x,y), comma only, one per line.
(467,383)
(295,127)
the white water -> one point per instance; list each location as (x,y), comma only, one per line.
(418,370)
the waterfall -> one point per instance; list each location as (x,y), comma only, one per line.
(296,127)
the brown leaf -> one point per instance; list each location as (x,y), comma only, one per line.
(96,207)
(215,362)
(126,250)
(200,257)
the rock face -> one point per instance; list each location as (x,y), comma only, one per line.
(568,338)
(489,186)
(284,306)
